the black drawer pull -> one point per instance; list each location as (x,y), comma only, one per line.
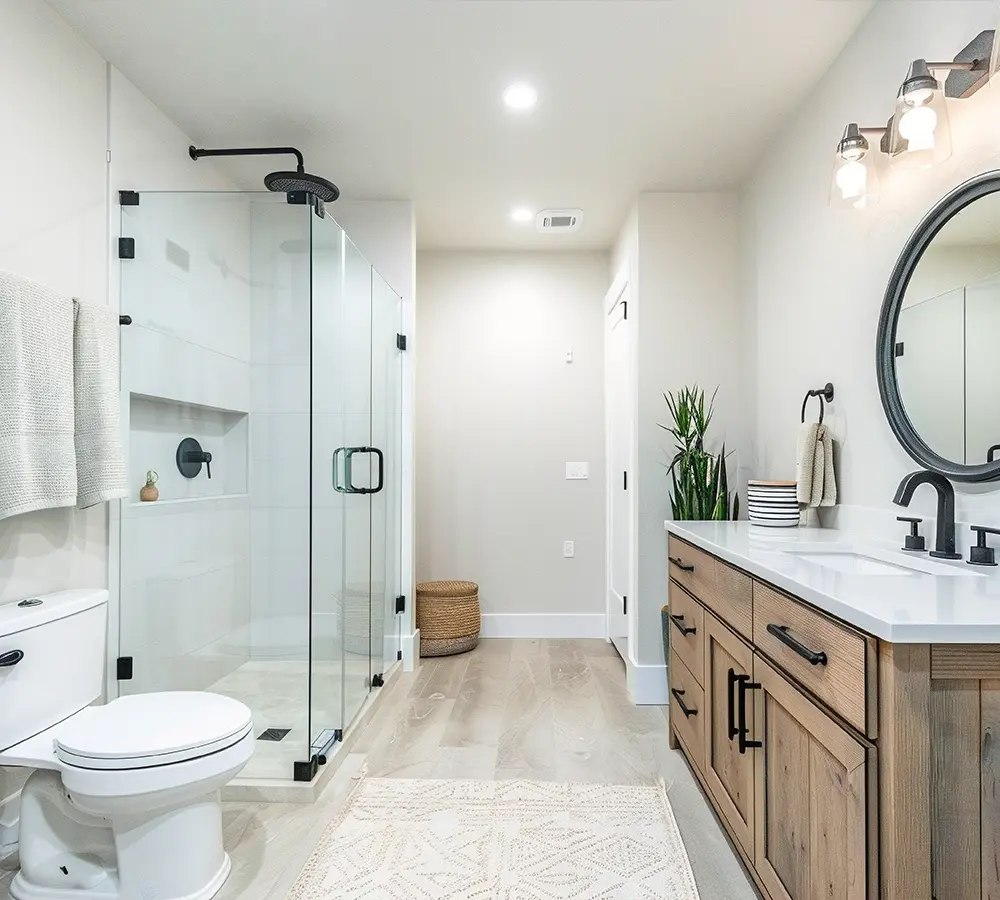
(679,622)
(687,710)
(11,658)
(731,705)
(677,561)
(744,684)
(814,657)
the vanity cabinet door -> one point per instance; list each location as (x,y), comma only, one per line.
(729,773)
(814,784)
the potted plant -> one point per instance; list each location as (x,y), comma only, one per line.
(699,484)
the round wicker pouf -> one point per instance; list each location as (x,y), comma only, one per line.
(447,616)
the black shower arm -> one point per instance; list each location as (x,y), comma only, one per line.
(196,153)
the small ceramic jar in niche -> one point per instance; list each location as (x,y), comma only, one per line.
(150,491)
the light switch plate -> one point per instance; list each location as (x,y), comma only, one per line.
(568,549)
(576,471)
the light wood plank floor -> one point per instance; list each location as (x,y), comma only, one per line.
(546,710)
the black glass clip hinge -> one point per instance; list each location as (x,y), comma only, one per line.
(126,248)
(124,668)
(400,341)
(400,604)
(128,198)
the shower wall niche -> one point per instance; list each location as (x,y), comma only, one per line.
(259,330)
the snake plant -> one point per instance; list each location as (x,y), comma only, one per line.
(699,483)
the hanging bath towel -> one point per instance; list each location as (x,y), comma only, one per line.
(37,452)
(100,463)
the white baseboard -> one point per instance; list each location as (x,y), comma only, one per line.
(410,645)
(544,625)
(647,685)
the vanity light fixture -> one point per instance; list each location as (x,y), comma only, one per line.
(855,181)
(919,134)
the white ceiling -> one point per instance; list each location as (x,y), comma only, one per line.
(400,99)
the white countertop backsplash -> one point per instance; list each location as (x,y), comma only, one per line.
(916,608)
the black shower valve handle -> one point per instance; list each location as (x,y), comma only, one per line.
(208,464)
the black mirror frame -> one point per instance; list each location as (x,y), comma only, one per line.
(885,350)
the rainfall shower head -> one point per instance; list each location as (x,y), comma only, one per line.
(289,182)
(281,182)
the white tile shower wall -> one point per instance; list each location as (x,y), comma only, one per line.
(186,573)
(280,430)
(819,274)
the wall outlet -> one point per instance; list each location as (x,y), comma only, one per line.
(577,471)
(568,549)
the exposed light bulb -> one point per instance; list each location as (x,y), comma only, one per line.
(852,178)
(522,214)
(916,127)
(852,154)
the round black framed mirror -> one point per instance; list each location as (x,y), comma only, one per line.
(938,346)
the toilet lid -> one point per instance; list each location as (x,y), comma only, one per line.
(153,729)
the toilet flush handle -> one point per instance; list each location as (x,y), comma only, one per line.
(11,658)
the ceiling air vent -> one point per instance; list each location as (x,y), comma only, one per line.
(559,220)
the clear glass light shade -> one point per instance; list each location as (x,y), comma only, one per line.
(920,135)
(855,182)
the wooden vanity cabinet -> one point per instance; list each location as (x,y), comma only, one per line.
(792,780)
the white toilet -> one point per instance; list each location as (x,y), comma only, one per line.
(125,800)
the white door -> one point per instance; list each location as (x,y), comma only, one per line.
(618,424)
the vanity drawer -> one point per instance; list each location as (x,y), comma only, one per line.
(726,591)
(833,661)
(689,727)
(687,630)
(690,567)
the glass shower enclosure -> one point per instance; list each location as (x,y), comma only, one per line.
(261,395)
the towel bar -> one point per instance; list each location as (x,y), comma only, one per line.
(823,393)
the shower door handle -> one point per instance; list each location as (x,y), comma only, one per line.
(349,454)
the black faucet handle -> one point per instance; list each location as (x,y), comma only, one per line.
(914,540)
(981,555)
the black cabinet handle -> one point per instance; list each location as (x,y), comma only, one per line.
(731,704)
(679,622)
(11,658)
(744,684)
(677,561)
(813,657)
(687,710)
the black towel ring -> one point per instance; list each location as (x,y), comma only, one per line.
(823,393)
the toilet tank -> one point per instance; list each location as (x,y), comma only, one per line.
(51,660)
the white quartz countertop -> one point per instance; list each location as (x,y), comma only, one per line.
(958,604)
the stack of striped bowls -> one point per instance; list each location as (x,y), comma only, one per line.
(772,503)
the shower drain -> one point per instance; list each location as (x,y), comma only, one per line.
(273,734)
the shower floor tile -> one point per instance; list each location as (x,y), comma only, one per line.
(277,693)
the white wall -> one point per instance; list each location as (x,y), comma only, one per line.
(53,230)
(820,274)
(684,259)
(499,414)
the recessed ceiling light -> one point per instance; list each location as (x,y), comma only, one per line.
(520,96)
(522,214)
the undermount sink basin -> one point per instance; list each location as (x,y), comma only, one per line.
(877,563)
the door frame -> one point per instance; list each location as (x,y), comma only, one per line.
(619,292)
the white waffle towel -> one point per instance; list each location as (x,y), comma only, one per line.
(100,463)
(816,482)
(37,453)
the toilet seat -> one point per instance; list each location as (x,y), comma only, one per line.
(151,730)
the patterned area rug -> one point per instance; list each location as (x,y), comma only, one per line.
(408,839)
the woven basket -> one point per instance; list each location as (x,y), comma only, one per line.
(448,617)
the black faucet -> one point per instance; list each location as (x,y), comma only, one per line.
(944,543)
